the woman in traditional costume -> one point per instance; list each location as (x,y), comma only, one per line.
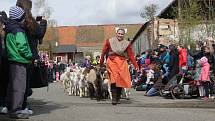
(117,50)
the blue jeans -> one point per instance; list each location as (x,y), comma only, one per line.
(206,88)
(152,92)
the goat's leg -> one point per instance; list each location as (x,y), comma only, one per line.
(70,88)
(91,91)
(86,93)
(97,92)
(78,90)
(64,85)
(127,93)
(81,91)
(75,90)
(110,93)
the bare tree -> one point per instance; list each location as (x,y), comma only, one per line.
(51,36)
(149,11)
(42,8)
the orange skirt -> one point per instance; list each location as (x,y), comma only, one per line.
(118,71)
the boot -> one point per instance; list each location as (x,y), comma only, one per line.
(114,94)
(114,97)
(118,96)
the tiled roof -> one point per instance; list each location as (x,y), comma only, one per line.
(67,35)
(49,34)
(90,35)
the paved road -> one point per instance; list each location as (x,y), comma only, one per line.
(54,105)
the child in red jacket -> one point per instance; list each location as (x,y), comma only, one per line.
(205,76)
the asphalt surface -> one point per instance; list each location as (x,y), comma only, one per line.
(54,105)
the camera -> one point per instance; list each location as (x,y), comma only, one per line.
(39,18)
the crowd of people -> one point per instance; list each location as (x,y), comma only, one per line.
(20,35)
(158,67)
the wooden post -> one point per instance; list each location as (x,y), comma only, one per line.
(179,9)
(73,56)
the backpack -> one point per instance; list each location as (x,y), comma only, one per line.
(142,60)
(189,60)
(147,61)
(39,76)
(166,58)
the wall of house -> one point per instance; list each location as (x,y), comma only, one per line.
(91,50)
(167,31)
(158,31)
(142,43)
(79,57)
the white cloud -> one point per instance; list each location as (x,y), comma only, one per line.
(85,12)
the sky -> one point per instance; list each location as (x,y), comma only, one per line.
(94,12)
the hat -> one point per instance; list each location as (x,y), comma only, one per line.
(162,46)
(16,13)
(203,60)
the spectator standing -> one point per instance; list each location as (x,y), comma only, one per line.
(19,56)
(182,59)
(4,77)
(35,31)
(205,76)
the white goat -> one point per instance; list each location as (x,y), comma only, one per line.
(82,85)
(65,79)
(74,83)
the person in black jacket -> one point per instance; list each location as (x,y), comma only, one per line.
(174,62)
(4,77)
(213,55)
(210,56)
(35,31)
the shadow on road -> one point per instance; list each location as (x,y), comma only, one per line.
(188,104)
(44,107)
(39,107)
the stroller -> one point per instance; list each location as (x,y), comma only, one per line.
(180,86)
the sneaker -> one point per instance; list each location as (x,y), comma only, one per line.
(3,110)
(166,92)
(30,111)
(21,114)
(205,98)
(212,97)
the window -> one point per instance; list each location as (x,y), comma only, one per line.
(59,58)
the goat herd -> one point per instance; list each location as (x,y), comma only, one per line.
(90,82)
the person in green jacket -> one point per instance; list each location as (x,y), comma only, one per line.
(96,61)
(19,55)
